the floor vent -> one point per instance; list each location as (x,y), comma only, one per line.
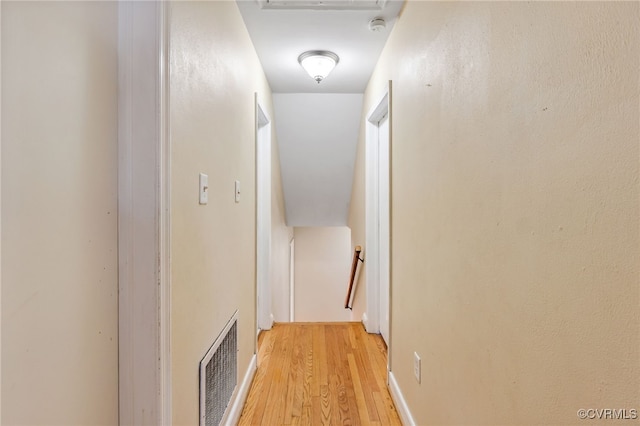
(219,375)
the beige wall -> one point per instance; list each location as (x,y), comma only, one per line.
(322,266)
(59,211)
(515,208)
(214,74)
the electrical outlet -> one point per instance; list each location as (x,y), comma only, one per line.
(416,366)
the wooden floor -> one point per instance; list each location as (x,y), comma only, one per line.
(320,374)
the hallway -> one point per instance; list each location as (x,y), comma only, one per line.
(131,189)
(320,373)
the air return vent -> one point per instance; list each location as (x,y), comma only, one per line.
(324,4)
(219,375)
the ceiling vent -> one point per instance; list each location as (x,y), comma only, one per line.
(323,4)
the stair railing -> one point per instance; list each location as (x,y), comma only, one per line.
(354,268)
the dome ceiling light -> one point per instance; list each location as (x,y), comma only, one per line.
(318,63)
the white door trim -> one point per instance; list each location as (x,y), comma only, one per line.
(292,280)
(264,314)
(372,265)
(0,215)
(383,223)
(165,217)
(144,274)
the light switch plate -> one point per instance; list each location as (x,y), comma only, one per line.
(237,191)
(204,188)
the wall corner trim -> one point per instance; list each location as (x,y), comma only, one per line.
(401,403)
(242,394)
(0,217)
(144,329)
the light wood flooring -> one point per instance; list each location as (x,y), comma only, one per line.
(320,374)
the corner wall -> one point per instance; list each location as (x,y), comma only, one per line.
(515,208)
(214,74)
(59,213)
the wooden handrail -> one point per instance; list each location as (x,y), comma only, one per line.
(354,268)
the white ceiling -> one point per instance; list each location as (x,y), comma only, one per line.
(281,35)
(317,154)
(317,134)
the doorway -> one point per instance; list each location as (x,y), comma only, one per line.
(377,218)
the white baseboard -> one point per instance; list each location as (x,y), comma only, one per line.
(365,320)
(401,403)
(241,395)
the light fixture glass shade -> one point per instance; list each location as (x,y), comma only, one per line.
(318,63)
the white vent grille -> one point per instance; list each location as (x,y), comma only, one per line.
(323,4)
(219,375)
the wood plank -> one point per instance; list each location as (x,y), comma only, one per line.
(274,410)
(339,406)
(254,409)
(307,367)
(292,372)
(305,419)
(325,405)
(361,402)
(341,379)
(386,410)
(323,377)
(298,388)
(378,357)
(375,360)
(352,335)
(347,379)
(369,385)
(366,373)
(332,370)
(364,361)
(317,330)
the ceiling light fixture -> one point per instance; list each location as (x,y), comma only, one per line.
(318,63)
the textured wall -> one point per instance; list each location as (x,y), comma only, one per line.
(214,74)
(515,208)
(59,213)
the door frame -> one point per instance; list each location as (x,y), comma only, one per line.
(144,226)
(383,244)
(264,315)
(0,216)
(292,279)
(373,315)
